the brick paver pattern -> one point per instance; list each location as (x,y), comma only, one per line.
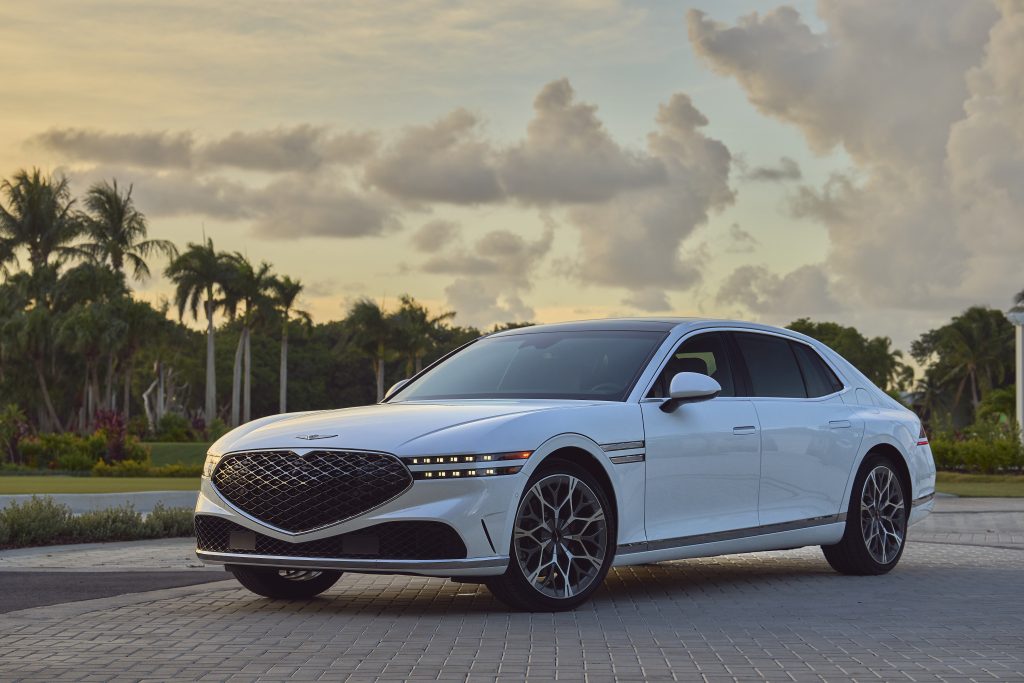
(948,612)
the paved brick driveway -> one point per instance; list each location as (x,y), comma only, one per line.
(949,612)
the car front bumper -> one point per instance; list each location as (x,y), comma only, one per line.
(478,510)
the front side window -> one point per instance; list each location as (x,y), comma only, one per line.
(706,354)
(771,365)
(584,365)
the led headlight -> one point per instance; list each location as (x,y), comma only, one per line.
(210,465)
(465,466)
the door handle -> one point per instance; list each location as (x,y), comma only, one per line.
(745,429)
(839,424)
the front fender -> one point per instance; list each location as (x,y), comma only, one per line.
(627,480)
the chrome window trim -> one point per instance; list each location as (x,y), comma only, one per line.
(690,333)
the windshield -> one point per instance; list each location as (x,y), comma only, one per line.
(587,365)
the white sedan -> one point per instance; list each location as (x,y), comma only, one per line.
(534,460)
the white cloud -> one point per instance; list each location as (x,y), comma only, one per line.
(804,291)
(568,156)
(435,235)
(447,161)
(787,169)
(925,98)
(162,149)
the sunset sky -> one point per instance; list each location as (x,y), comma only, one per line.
(859,161)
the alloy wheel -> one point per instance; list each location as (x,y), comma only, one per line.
(883,515)
(560,536)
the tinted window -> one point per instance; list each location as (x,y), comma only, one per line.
(706,354)
(600,365)
(818,376)
(771,365)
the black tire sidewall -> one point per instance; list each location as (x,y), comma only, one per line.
(853,523)
(514,578)
(267,582)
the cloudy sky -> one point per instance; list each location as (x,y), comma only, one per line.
(854,160)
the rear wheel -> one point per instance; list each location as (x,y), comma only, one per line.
(284,584)
(876,523)
(562,542)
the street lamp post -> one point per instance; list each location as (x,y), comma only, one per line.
(1016,316)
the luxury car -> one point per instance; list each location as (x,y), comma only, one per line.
(534,460)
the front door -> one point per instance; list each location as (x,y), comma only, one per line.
(703,459)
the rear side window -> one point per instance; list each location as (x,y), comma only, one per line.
(818,376)
(771,365)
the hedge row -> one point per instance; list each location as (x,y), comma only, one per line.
(43,521)
(986,448)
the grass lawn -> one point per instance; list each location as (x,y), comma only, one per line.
(183,453)
(59,484)
(981,485)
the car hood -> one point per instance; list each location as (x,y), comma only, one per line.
(426,428)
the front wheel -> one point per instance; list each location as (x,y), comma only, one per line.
(284,584)
(563,542)
(876,523)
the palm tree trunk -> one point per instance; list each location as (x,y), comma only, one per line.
(211,366)
(380,379)
(128,367)
(236,381)
(247,410)
(419,364)
(283,401)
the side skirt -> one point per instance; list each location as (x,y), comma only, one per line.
(818,531)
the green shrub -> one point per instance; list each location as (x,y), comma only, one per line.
(216,429)
(164,522)
(986,447)
(112,524)
(42,521)
(174,427)
(132,468)
(37,521)
(75,462)
(46,450)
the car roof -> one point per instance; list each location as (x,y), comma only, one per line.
(652,324)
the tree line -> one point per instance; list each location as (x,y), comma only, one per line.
(76,344)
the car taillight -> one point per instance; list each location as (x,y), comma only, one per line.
(922,438)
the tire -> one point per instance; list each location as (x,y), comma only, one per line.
(582,546)
(284,584)
(876,534)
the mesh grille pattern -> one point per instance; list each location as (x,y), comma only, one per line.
(392,540)
(302,492)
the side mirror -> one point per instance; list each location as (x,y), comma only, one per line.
(395,387)
(690,387)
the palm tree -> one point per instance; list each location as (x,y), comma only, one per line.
(418,332)
(198,274)
(374,334)
(39,216)
(248,286)
(117,231)
(286,293)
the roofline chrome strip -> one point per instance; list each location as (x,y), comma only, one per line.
(732,535)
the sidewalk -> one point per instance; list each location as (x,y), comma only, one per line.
(143,556)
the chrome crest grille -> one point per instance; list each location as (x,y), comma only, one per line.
(299,493)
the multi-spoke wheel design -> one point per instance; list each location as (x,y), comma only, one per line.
(882,514)
(561,536)
(563,541)
(876,521)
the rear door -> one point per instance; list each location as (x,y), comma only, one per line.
(703,459)
(809,437)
